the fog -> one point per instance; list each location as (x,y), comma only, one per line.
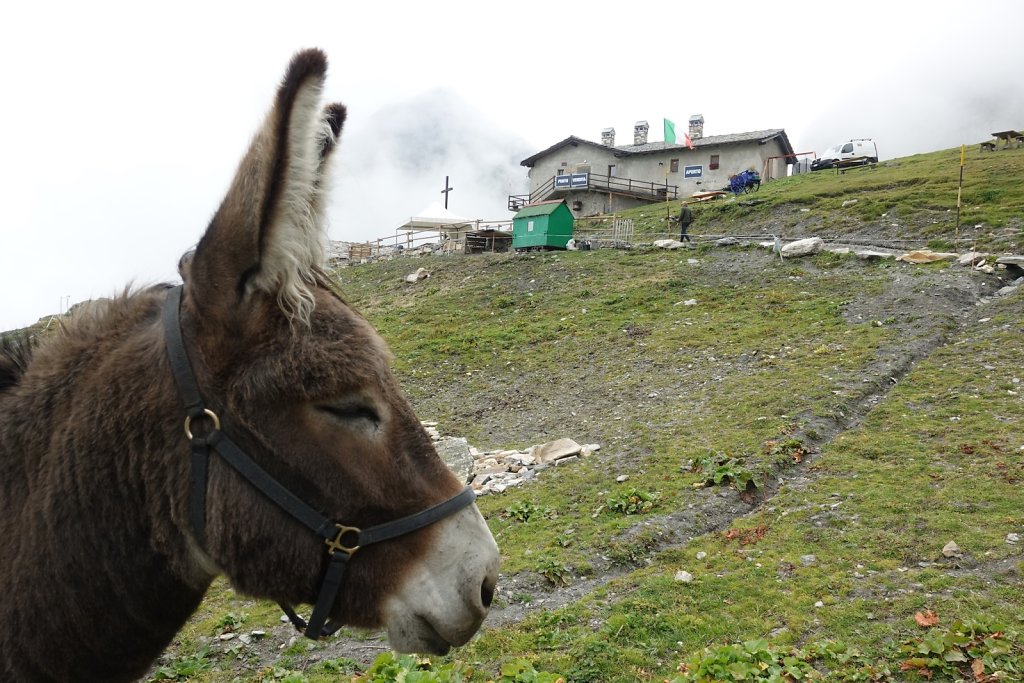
(124,121)
(949,86)
(393,164)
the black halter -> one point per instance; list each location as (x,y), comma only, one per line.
(341,541)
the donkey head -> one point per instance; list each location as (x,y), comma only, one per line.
(303,386)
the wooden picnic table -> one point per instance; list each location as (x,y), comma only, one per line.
(1008,136)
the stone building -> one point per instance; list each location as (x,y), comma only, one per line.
(602,177)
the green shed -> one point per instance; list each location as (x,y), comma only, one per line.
(544,225)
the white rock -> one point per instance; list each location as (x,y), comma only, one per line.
(690,302)
(849,202)
(701,555)
(1012,539)
(819,604)
(804,247)
(684,577)
(667,244)
(951,549)
(621,478)
(555,450)
(420,274)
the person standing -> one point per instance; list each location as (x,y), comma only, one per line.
(685,218)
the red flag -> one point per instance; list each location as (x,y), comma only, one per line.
(689,142)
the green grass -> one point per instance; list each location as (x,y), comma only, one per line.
(918,194)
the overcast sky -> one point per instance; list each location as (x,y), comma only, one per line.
(121,123)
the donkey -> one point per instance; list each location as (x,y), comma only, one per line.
(302,474)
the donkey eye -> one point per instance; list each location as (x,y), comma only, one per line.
(350,412)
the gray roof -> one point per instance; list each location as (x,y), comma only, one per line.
(759,136)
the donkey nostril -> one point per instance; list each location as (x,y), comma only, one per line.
(487,592)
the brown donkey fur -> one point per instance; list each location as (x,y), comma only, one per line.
(100,565)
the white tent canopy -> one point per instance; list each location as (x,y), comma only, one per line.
(436,218)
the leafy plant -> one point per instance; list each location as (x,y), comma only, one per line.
(633,501)
(719,469)
(229,622)
(184,668)
(974,648)
(525,510)
(389,668)
(787,450)
(554,571)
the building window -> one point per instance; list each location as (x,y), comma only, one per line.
(560,171)
(611,170)
(713,164)
(674,166)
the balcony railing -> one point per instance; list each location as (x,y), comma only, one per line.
(595,182)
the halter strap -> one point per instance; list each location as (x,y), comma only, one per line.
(341,541)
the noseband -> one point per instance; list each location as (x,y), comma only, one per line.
(341,541)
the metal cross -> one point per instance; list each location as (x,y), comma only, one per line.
(445,191)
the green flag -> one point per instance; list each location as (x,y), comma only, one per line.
(670,131)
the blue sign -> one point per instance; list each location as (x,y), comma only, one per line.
(563,180)
(579,179)
(693,171)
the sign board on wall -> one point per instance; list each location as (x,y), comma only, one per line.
(693,171)
(572,180)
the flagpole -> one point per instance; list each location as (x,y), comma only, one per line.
(959,191)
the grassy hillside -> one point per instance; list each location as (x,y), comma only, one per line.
(874,406)
(913,198)
(802,438)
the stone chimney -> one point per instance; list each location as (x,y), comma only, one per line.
(640,133)
(696,127)
(608,137)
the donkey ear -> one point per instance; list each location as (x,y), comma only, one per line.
(268,234)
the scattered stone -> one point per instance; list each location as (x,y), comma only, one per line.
(804,247)
(951,549)
(808,560)
(690,302)
(727,242)
(227,636)
(420,274)
(972,258)
(1013,539)
(555,450)
(622,478)
(456,453)
(1013,264)
(495,471)
(684,577)
(701,555)
(1007,290)
(668,244)
(849,202)
(692,262)
(819,603)
(925,256)
(870,255)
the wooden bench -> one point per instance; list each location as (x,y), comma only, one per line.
(988,147)
(1008,136)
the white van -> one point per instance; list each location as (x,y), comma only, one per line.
(860,149)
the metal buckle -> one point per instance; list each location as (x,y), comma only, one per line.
(335,544)
(208,413)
